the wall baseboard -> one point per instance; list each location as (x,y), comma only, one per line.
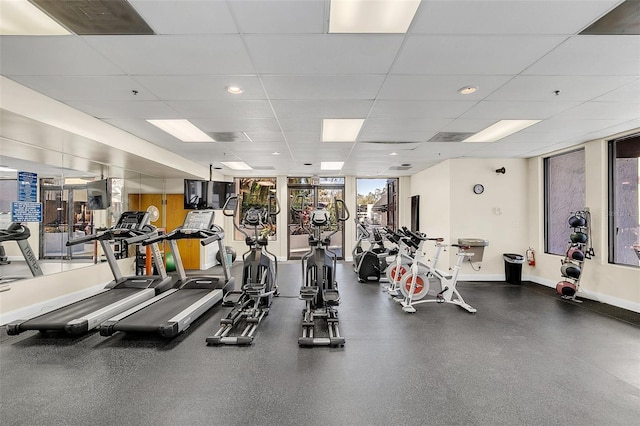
(48,305)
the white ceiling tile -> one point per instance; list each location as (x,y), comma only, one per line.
(622,111)
(420,109)
(295,87)
(467,125)
(212,108)
(201,87)
(51,55)
(307,125)
(564,128)
(186,16)
(485,55)
(321,108)
(514,110)
(175,54)
(236,124)
(84,88)
(628,92)
(125,109)
(323,54)
(402,125)
(592,55)
(572,88)
(280,17)
(507,17)
(439,87)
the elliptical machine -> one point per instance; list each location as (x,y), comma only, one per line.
(319,289)
(371,263)
(259,275)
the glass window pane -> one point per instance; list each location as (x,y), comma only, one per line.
(254,192)
(564,194)
(377,201)
(624,202)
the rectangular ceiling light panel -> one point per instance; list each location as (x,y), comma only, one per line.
(372,16)
(182,129)
(19,17)
(341,129)
(331,165)
(501,129)
(236,165)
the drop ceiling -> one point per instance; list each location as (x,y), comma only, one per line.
(527,58)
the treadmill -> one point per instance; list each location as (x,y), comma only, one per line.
(173,311)
(20,234)
(119,295)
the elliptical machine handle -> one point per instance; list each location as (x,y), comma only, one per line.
(228,209)
(273,206)
(344,209)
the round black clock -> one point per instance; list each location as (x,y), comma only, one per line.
(478,188)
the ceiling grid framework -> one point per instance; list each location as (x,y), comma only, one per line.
(527,58)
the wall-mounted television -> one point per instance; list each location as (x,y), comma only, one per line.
(206,194)
(99,194)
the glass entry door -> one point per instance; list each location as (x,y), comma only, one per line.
(65,215)
(303,197)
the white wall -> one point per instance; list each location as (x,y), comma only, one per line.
(510,214)
(450,209)
(613,284)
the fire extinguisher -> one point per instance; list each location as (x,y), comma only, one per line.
(531,257)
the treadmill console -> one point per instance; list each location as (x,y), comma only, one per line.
(198,220)
(133,221)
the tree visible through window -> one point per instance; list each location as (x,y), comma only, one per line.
(254,192)
(564,194)
(377,201)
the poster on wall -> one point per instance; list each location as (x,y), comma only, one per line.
(26,211)
(27,187)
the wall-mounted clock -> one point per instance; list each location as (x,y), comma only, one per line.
(478,188)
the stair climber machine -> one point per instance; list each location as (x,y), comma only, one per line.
(173,311)
(370,264)
(319,289)
(20,234)
(123,293)
(259,275)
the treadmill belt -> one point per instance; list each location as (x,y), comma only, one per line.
(153,316)
(56,320)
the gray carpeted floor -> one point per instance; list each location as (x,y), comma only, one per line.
(525,358)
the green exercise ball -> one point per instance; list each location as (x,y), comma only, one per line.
(170,262)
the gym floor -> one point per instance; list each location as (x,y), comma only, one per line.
(526,357)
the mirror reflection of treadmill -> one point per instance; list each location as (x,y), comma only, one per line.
(173,311)
(123,293)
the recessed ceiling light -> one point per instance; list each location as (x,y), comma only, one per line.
(236,165)
(182,129)
(394,153)
(331,165)
(341,129)
(380,16)
(467,90)
(235,90)
(501,129)
(23,18)
(275,153)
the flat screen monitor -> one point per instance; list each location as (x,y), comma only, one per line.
(99,194)
(203,194)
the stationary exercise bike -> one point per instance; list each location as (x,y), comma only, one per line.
(319,289)
(415,285)
(259,275)
(405,252)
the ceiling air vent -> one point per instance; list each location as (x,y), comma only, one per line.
(229,136)
(450,137)
(401,167)
(96,17)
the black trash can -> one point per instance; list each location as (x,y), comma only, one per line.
(513,267)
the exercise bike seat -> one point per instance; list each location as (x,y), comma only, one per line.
(308,292)
(331,297)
